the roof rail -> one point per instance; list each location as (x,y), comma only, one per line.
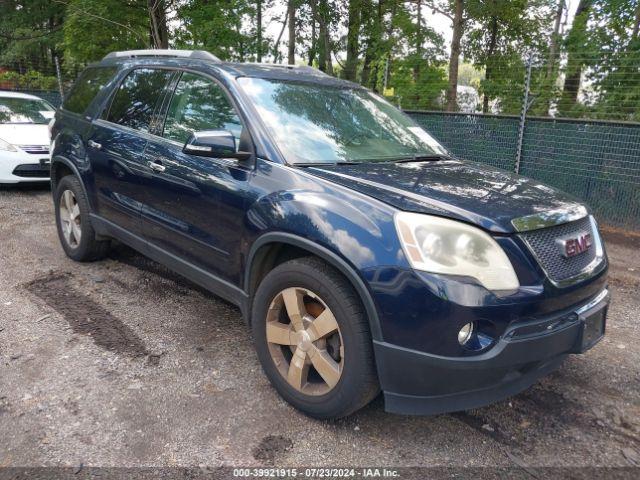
(286,66)
(195,54)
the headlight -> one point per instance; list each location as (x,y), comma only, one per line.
(7,146)
(438,245)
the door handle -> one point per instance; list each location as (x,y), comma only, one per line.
(156,166)
(95,145)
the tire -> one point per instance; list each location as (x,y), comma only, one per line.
(346,354)
(69,192)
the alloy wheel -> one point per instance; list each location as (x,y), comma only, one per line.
(304,341)
(70,218)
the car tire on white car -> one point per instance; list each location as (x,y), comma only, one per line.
(77,236)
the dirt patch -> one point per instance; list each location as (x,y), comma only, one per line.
(159,273)
(85,316)
(482,426)
(622,237)
(271,447)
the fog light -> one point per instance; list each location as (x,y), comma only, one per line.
(465,333)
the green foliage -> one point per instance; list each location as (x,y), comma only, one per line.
(219,26)
(612,57)
(500,34)
(37,25)
(594,70)
(93,28)
(30,80)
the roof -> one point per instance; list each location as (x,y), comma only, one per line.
(9,94)
(271,71)
(257,70)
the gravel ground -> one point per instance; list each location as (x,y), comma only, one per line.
(122,363)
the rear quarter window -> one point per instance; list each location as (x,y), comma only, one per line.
(90,82)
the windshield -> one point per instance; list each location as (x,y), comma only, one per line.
(25,110)
(318,124)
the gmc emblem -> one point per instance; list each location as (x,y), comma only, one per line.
(572,246)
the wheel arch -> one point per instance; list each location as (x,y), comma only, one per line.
(61,167)
(267,249)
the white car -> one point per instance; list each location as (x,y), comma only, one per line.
(24,138)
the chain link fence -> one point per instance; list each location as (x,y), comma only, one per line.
(570,121)
(44,79)
(597,161)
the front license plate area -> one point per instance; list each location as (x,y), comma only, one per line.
(593,326)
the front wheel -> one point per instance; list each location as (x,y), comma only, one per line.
(313,340)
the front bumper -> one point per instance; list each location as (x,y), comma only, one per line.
(420,383)
(22,167)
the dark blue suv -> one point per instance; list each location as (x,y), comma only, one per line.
(363,256)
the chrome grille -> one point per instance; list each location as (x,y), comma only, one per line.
(36,149)
(543,244)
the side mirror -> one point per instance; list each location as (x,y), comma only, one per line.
(214,143)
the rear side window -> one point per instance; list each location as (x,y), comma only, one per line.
(136,98)
(91,81)
(199,104)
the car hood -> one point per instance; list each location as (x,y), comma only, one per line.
(24,133)
(475,193)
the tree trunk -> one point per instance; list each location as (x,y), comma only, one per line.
(353,40)
(388,31)
(374,22)
(454,57)
(158,24)
(291,14)
(419,41)
(324,59)
(574,62)
(553,53)
(555,38)
(488,76)
(259,31)
(314,41)
(276,46)
(636,25)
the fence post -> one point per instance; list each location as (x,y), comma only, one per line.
(59,76)
(523,114)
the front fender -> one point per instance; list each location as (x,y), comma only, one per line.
(348,230)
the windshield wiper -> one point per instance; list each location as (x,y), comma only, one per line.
(323,164)
(421,158)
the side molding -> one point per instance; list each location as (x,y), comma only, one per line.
(328,256)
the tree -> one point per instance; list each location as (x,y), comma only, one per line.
(291,16)
(551,73)
(259,31)
(500,35)
(576,42)
(611,59)
(353,39)
(417,71)
(31,34)
(454,57)
(221,27)
(158,23)
(324,40)
(93,28)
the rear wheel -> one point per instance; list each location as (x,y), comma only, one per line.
(76,234)
(313,340)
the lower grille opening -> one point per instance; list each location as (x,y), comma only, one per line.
(32,170)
